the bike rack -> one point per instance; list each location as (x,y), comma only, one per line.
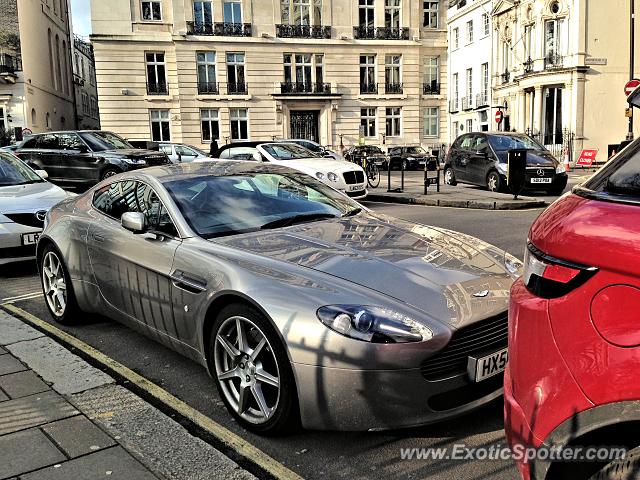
(430,166)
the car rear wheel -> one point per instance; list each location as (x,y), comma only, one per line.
(494,182)
(252,371)
(625,469)
(109,172)
(57,288)
(450,177)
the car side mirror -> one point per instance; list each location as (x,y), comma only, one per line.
(134,222)
(257,156)
(482,152)
(634,98)
(83,149)
(42,174)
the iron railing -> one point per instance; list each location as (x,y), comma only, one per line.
(467,103)
(431,88)
(305,87)
(454,105)
(208,88)
(553,60)
(160,88)
(303,31)
(393,88)
(10,63)
(380,33)
(528,66)
(368,88)
(506,77)
(237,88)
(561,143)
(482,99)
(220,29)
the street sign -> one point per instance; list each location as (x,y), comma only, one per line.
(499,116)
(587,157)
(631,86)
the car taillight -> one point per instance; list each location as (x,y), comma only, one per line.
(549,277)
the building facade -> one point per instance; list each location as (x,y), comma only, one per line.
(335,71)
(86,89)
(560,67)
(36,80)
(470,67)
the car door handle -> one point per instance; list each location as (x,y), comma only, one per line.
(97,238)
(187,282)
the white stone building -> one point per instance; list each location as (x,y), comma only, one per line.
(86,89)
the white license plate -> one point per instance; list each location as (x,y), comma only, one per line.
(30,238)
(541,180)
(485,367)
(355,188)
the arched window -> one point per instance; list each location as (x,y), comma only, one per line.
(48,120)
(34,117)
(65,64)
(58,64)
(53,75)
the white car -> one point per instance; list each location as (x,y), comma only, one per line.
(343,176)
(179,153)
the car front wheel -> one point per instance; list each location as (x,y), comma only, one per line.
(494,182)
(624,469)
(450,177)
(57,288)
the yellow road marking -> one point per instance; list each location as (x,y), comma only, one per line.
(227,437)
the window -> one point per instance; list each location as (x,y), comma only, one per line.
(238,153)
(455,38)
(368,74)
(151,11)
(470,31)
(367,13)
(392,70)
(156,73)
(51,67)
(76,59)
(92,75)
(394,120)
(58,65)
(34,117)
(552,43)
(65,68)
(469,126)
(203,12)
(432,72)
(235,73)
(392,14)
(239,124)
(432,122)
(454,129)
(528,42)
(485,83)
(94,107)
(469,83)
(232,11)
(160,126)
(455,89)
(553,115)
(368,122)
(303,70)
(48,120)
(486,25)
(206,64)
(69,141)
(3,119)
(431,11)
(210,122)
(301,12)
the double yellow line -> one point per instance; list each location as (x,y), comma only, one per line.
(220,433)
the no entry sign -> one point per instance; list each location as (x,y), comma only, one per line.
(631,87)
(587,157)
(499,116)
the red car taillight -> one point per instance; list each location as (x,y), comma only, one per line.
(549,277)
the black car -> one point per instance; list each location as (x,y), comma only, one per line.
(83,158)
(357,154)
(481,159)
(408,158)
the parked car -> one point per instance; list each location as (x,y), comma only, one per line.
(408,158)
(10,148)
(25,198)
(481,159)
(357,153)
(574,335)
(83,158)
(317,149)
(344,176)
(285,290)
(179,152)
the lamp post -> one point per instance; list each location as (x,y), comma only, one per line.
(632,61)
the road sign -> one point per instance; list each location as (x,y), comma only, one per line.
(631,86)
(587,157)
(499,116)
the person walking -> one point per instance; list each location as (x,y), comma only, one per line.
(213,152)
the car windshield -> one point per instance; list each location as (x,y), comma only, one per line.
(502,143)
(14,172)
(217,206)
(287,151)
(101,141)
(416,151)
(311,147)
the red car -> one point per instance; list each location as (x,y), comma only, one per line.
(574,330)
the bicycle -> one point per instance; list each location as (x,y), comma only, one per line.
(372,172)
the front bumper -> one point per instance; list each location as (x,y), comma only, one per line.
(11,248)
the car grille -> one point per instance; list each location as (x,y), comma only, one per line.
(546,172)
(358,193)
(17,252)
(28,219)
(482,337)
(351,178)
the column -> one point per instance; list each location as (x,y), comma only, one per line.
(522,111)
(537,110)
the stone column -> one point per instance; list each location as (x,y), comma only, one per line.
(537,110)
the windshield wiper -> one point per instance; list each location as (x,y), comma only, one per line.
(352,212)
(288,221)
(27,182)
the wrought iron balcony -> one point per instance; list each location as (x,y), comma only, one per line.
(380,33)
(528,66)
(368,88)
(393,88)
(482,99)
(219,29)
(431,88)
(161,88)
(303,31)
(300,88)
(467,103)
(454,105)
(506,77)
(208,88)
(9,63)
(237,88)
(553,61)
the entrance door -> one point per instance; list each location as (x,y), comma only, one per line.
(304,125)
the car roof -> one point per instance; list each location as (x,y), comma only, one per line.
(71,131)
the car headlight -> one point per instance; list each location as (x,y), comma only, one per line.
(560,168)
(373,324)
(134,161)
(332,177)
(411,159)
(320,176)
(502,168)
(513,265)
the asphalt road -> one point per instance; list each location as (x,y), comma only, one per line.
(315,454)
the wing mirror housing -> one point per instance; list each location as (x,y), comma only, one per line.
(634,98)
(257,156)
(134,222)
(83,149)
(42,174)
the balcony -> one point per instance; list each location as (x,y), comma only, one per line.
(505,77)
(553,60)
(303,31)
(301,88)
(237,88)
(482,100)
(431,88)
(219,29)
(467,103)
(393,88)
(9,63)
(368,88)
(157,88)
(208,88)
(528,66)
(454,105)
(380,33)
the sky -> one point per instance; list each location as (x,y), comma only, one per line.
(81,17)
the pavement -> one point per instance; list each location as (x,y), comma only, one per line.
(61,418)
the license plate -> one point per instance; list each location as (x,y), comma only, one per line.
(541,180)
(30,238)
(485,367)
(355,188)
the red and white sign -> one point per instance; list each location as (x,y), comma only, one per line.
(587,157)
(499,116)
(631,87)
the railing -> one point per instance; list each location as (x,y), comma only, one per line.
(368,88)
(78,80)
(237,88)
(431,88)
(305,87)
(553,61)
(559,143)
(380,33)
(528,66)
(219,29)
(482,99)
(506,77)
(303,31)
(454,105)
(393,88)
(208,88)
(161,88)
(9,63)
(467,103)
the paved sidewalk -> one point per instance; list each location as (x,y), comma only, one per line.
(62,419)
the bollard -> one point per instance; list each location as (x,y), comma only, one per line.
(426,178)
(402,177)
(389,176)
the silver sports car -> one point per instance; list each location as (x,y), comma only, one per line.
(301,303)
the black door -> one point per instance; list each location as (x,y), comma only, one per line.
(480,160)
(460,160)
(304,125)
(75,159)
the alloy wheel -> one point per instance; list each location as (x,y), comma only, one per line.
(448,177)
(493,182)
(54,282)
(247,369)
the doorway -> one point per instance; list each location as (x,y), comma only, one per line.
(304,124)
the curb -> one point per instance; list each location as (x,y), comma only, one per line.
(472,204)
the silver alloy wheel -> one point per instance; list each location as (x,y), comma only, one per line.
(448,177)
(108,173)
(493,182)
(242,356)
(55,287)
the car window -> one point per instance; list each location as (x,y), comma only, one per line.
(103,141)
(238,153)
(156,215)
(395,151)
(502,143)
(467,142)
(69,141)
(30,143)
(168,149)
(14,172)
(185,151)
(620,178)
(47,142)
(286,151)
(458,142)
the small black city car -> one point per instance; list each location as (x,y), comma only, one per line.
(83,158)
(357,154)
(481,159)
(408,158)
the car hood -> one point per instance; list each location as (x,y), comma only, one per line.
(30,198)
(453,277)
(534,158)
(311,166)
